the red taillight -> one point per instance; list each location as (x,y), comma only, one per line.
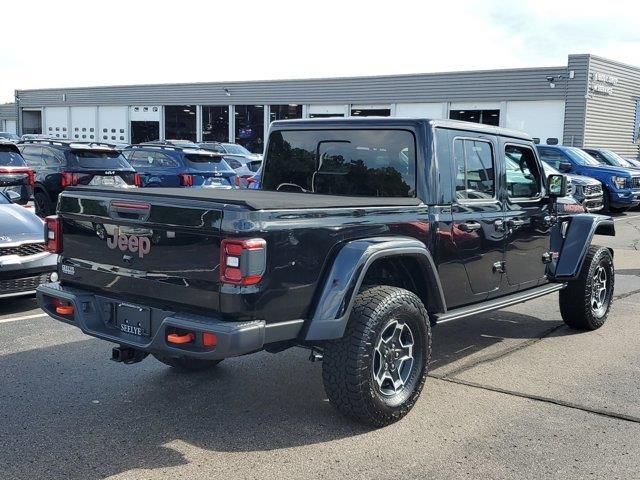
(53,234)
(186,180)
(251,181)
(31,176)
(137,180)
(68,179)
(242,262)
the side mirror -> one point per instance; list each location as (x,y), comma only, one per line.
(15,197)
(557,185)
(564,167)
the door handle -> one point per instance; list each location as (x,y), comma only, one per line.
(469,226)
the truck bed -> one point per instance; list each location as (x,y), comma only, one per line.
(260,199)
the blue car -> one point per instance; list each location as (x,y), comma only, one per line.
(176,166)
(621,185)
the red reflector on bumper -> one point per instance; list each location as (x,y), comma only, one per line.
(209,339)
(64,309)
(180,339)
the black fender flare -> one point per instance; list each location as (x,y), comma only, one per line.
(342,283)
(571,242)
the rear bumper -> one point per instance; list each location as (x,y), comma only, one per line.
(95,316)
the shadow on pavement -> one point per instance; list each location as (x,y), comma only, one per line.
(17,305)
(68,412)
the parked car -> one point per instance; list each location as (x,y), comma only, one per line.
(24,260)
(174,143)
(607,157)
(621,185)
(586,191)
(254,182)
(15,175)
(62,163)
(10,137)
(230,149)
(174,166)
(633,161)
(35,136)
(362,236)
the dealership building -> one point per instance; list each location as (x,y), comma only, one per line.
(592,101)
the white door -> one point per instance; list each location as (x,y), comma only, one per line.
(83,124)
(56,122)
(10,126)
(419,110)
(112,124)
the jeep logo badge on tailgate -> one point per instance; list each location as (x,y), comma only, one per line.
(133,243)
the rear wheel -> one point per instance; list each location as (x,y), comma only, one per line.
(376,371)
(42,203)
(187,364)
(586,301)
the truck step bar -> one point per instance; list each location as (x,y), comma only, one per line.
(498,303)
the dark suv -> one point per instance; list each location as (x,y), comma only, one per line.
(160,165)
(59,164)
(14,173)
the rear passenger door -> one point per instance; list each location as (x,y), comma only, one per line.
(477,213)
(526,216)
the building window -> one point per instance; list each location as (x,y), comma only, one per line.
(179,122)
(284,112)
(250,127)
(215,123)
(370,110)
(488,117)
(326,111)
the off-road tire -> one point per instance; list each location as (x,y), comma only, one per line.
(576,299)
(42,203)
(187,364)
(348,363)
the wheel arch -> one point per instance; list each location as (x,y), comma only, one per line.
(574,245)
(348,273)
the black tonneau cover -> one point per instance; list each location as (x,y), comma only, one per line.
(260,199)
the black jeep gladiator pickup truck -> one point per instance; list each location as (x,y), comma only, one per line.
(366,233)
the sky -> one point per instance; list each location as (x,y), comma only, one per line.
(90,43)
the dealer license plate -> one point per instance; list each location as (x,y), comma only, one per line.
(133,319)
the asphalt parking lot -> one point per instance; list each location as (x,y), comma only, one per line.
(513,394)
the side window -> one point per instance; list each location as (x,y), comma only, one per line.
(598,156)
(475,173)
(162,160)
(33,156)
(552,158)
(141,159)
(523,175)
(50,158)
(233,163)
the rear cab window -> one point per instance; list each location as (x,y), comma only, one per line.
(10,158)
(98,159)
(207,163)
(354,162)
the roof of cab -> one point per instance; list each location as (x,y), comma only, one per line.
(355,122)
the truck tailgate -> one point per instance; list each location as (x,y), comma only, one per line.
(162,251)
